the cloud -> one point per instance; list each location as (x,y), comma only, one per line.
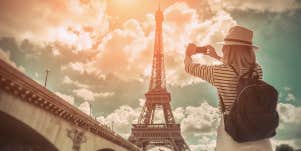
(77,66)
(197,122)
(67,80)
(204,144)
(57,20)
(177,35)
(159,149)
(286,88)
(5,56)
(81,37)
(199,125)
(88,95)
(289,126)
(85,107)
(83,68)
(289,113)
(126,52)
(122,119)
(201,119)
(287,94)
(273,6)
(67,98)
(290,97)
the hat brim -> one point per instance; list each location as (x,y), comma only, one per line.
(237,43)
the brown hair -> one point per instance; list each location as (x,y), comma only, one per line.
(239,56)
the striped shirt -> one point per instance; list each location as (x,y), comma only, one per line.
(223,77)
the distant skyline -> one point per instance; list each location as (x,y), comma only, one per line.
(100,54)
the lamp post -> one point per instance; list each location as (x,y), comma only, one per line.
(47,72)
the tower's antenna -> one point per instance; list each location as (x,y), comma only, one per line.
(159,5)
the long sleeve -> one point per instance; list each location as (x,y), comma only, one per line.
(204,72)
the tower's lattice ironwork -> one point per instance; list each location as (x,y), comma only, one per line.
(146,133)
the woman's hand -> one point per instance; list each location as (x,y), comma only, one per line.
(191,49)
(210,51)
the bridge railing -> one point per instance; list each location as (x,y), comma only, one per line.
(15,82)
(169,126)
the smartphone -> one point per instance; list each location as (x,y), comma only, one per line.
(201,50)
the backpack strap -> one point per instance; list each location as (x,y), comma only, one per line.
(222,103)
(249,72)
(234,70)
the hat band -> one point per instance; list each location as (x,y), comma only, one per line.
(237,40)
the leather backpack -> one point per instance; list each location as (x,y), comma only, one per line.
(253,115)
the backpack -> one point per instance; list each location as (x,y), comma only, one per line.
(253,115)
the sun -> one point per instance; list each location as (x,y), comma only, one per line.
(125,3)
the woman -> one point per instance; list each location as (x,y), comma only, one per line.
(238,58)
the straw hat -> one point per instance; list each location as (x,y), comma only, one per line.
(239,35)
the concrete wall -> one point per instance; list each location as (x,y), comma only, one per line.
(53,128)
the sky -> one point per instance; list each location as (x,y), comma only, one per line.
(99,53)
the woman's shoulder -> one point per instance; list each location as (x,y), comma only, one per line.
(226,67)
(230,68)
(223,68)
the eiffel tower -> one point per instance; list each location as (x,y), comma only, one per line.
(147,134)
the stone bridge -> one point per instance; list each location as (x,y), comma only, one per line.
(33,118)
